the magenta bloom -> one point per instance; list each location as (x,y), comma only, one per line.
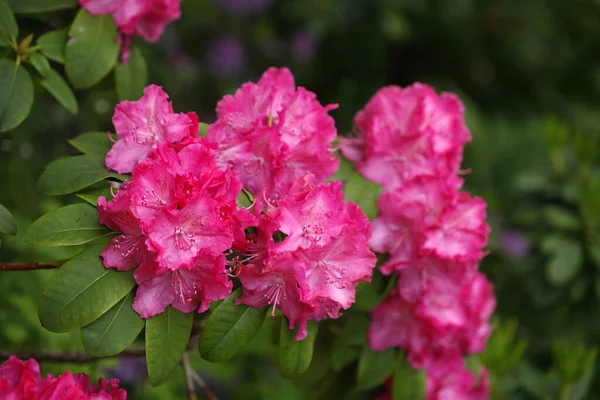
(407,133)
(22,380)
(145,18)
(177,216)
(143,123)
(311,271)
(273,133)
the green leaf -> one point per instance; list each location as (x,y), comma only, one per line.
(40,63)
(114,331)
(294,356)
(9,30)
(92,143)
(60,89)
(167,336)
(91,196)
(68,226)
(203,129)
(229,328)
(566,259)
(7,222)
(374,367)
(407,383)
(52,45)
(354,331)
(16,94)
(70,174)
(81,291)
(92,49)
(343,354)
(37,6)
(131,78)
(359,189)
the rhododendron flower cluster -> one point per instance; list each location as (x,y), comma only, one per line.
(272,133)
(22,380)
(301,249)
(312,273)
(410,140)
(145,18)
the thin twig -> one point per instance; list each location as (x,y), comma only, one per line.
(202,385)
(189,383)
(31,266)
(68,356)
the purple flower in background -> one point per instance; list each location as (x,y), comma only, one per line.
(304,47)
(514,243)
(244,6)
(130,370)
(225,56)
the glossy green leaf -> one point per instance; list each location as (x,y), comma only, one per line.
(9,30)
(229,328)
(91,196)
(407,384)
(114,331)
(566,259)
(52,45)
(374,367)
(167,336)
(16,94)
(131,78)
(203,129)
(294,356)
(60,89)
(343,354)
(68,226)
(358,189)
(38,6)
(7,222)
(81,291)
(70,174)
(96,143)
(40,63)
(92,49)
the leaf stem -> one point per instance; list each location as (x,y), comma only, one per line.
(189,379)
(31,266)
(68,356)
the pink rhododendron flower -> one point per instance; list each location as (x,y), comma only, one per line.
(186,290)
(22,380)
(272,133)
(145,18)
(142,123)
(177,217)
(447,379)
(405,133)
(311,270)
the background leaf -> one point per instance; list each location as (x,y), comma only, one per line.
(7,222)
(36,6)
(407,383)
(167,336)
(374,367)
(59,88)
(68,226)
(70,174)
(91,196)
(8,25)
(39,62)
(52,45)
(81,291)
(131,78)
(114,331)
(91,50)
(294,356)
(16,94)
(96,143)
(229,329)
(358,189)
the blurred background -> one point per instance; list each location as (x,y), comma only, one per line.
(529,75)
